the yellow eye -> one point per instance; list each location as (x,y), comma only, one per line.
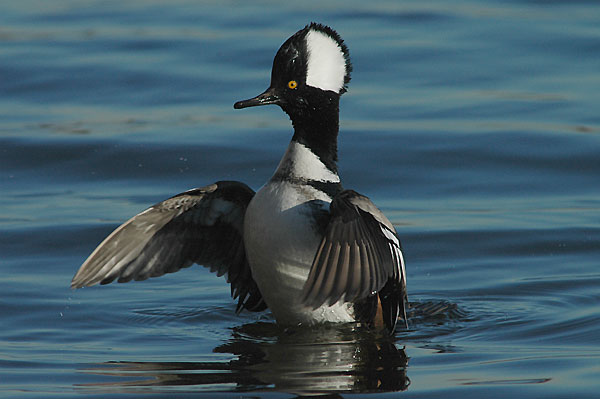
(292,84)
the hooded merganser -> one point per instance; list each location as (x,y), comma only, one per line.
(302,246)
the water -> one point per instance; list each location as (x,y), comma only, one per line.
(473,125)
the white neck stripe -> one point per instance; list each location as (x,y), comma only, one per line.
(300,162)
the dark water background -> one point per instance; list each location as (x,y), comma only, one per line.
(473,124)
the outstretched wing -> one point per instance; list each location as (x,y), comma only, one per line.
(360,255)
(203,225)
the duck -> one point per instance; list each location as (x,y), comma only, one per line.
(302,246)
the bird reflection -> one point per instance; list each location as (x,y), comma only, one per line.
(303,361)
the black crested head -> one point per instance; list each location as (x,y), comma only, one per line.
(311,70)
(315,56)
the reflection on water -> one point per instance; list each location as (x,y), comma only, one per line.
(473,124)
(326,359)
(303,361)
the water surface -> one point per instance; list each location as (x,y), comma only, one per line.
(474,125)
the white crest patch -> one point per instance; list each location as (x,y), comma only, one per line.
(326,62)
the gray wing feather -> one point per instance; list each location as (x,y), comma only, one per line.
(359,255)
(201,226)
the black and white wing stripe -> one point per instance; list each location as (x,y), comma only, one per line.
(203,225)
(360,255)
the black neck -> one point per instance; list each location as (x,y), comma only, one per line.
(317,125)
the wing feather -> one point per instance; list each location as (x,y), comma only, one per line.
(359,256)
(202,225)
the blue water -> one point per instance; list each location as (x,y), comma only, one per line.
(474,125)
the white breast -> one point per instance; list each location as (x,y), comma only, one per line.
(281,239)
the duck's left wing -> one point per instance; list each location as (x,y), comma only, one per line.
(203,226)
(360,255)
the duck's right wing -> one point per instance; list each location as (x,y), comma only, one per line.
(359,256)
(203,225)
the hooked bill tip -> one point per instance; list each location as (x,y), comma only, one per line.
(239,105)
(268,97)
